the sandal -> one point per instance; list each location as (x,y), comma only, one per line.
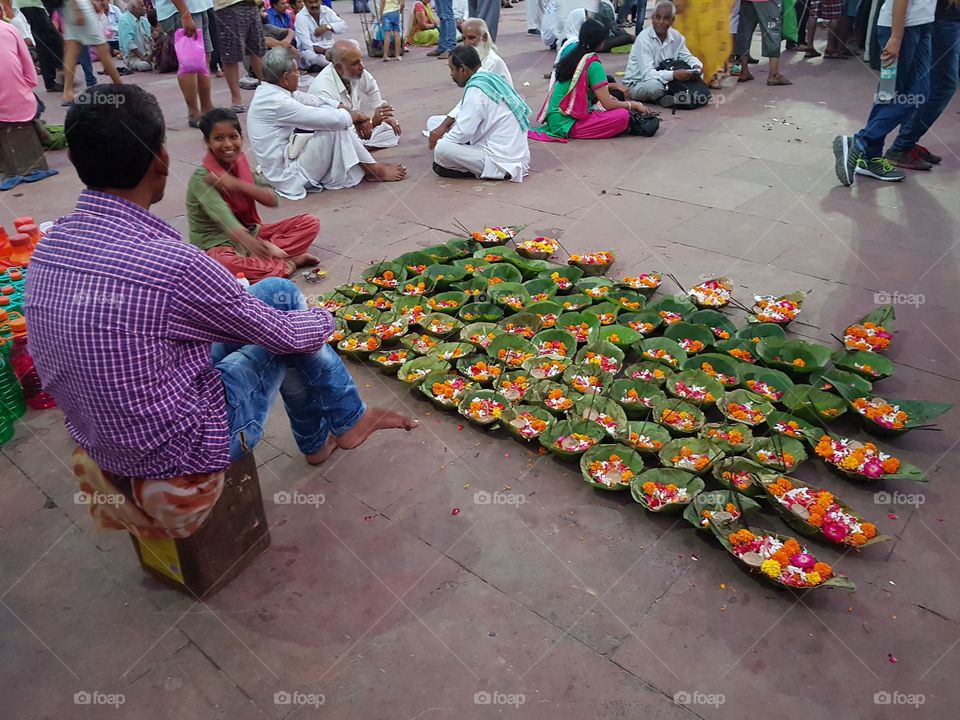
(778,80)
(238,109)
(811,53)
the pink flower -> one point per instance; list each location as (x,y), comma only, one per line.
(873,468)
(835,532)
(804,561)
(884,334)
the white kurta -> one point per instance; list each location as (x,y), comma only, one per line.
(649,51)
(304,26)
(329,158)
(486,140)
(491,63)
(363,96)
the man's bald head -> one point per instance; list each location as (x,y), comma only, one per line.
(347,59)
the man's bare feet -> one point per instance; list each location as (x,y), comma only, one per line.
(305,260)
(778,79)
(323,453)
(744,76)
(384,172)
(374,419)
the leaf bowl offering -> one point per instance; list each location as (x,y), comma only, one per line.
(547,312)
(415,262)
(414,371)
(539,248)
(554,343)
(756,332)
(636,397)
(440,325)
(665,489)
(767,383)
(605,312)
(563,277)
(580,325)
(511,350)
(570,438)
(713,293)
(511,296)
(479,369)
(720,326)
(679,417)
(574,302)
(546,367)
(601,356)
(621,336)
(419,344)
(813,511)
(483,407)
(514,386)
(445,275)
(813,404)
(832,379)
(881,416)
(442,253)
(696,455)
(644,283)
(474,288)
(450,350)
(864,461)
(386,275)
(555,397)
(783,423)
(340,331)
(382,301)
(586,380)
(603,411)
(745,407)
(598,289)
(696,387)
(359,345)
(413,309)
(540,289)
(444,390)
(672,308)
(593,263)
(332,302)
(781,310)
(725,370)
(662,350)
(459,247)
(479,334)
(388,361)
(474,267)
(494,236)
(727,505)
(447,302)
(692,338)
(610,467)
(358,291)
(744,351)
(358,315)
(794,357)
(647,438)
(867,365)
(417,286)
(740,475)
(732,439)
(628,300)
(779,453)
(526,422)
(524,325)
(648,371)
(501,273)
(389,327)
(872,332)
(472,312)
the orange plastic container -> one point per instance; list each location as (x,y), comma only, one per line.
(22,249)
(21,221)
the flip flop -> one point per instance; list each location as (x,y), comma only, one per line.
(11,182)
(238,109)
(40,175)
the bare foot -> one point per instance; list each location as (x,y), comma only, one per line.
(374,419)
(383,172)
(321,455)
(290,267)
(744,76)
(778,80)
(305,260)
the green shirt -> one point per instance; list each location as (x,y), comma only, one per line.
(558,124)
(210,218)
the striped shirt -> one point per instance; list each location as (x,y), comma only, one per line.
(121,316)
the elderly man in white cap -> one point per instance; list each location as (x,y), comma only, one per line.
(346,82)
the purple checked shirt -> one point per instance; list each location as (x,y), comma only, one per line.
(121,315)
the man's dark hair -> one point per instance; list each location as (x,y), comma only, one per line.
(218,115)
(465,55)
(114,132)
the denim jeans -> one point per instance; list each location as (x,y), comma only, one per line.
(318,392)
(945,45)
(448,26)
(913,84)
(625,9)
(86,63)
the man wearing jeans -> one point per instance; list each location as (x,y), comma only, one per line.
(448,29)
(904,32)
(164,366)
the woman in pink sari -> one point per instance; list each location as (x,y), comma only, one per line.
(579,83)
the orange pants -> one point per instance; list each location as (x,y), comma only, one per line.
(292,235)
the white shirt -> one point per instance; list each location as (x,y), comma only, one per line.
(20,24)
(363,95)
(919,12)
(491,63)
(273,115)
(484,123)
(304,25)
(648,52)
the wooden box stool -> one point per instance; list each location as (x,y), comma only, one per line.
(20,149)
(233,536)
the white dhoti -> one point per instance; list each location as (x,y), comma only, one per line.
(473,159)
(383,137)
(332,159)
(534,10)
(309,58)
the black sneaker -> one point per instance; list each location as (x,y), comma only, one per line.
(879,168)
(845,155)
(533,31)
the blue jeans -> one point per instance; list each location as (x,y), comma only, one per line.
(641,6)
(945,44)
(448,26)
(913,84)
(318,393)
(86,63)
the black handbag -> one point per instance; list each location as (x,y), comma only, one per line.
(644,124)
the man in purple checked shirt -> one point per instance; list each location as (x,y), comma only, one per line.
(163,364)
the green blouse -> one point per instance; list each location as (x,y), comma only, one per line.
(210,218)
(558,124)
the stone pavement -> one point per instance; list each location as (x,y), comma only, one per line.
(385,604)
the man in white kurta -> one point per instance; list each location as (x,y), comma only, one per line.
(346,82)
(316,28)
(489,138)
(303,142)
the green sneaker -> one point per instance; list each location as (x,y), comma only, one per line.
(879,168)
(846,156)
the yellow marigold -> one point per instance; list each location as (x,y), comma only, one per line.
(813,578)
(770,568)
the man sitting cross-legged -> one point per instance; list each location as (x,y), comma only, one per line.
(489,139)
(661,68)
(346,82)
(164,366)
(304,142)
(316,24)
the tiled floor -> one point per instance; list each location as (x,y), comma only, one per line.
(388,605)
